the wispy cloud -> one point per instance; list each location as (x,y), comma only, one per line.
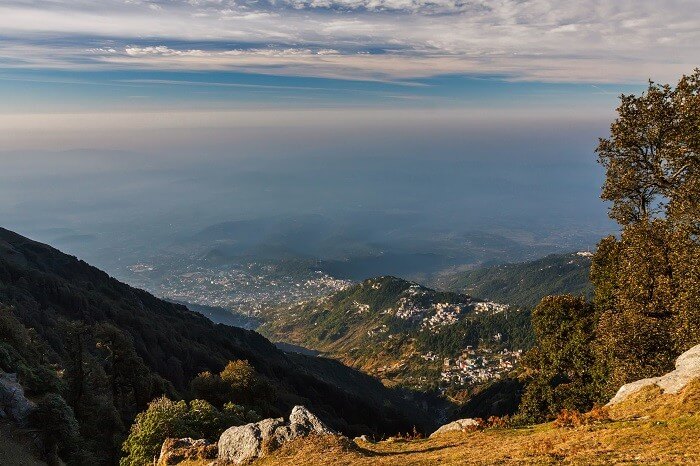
(547,40)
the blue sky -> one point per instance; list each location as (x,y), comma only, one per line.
(505,98)
(141,55)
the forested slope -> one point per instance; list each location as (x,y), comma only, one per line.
(524,284)
(108,349)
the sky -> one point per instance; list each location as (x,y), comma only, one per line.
(80,56)
(118,109)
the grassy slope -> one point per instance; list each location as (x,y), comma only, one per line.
(649,428)
(523,284)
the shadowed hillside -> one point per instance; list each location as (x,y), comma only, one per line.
(91,338)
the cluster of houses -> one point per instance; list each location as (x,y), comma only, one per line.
(478,365)
(246,289)
(445,314)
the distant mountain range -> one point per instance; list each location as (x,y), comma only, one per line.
(402,333)
(524,284)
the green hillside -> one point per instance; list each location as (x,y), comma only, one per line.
(73,333)
(524,284)
(402,332)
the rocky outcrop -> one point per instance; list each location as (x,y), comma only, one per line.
(242,444)
(687,369)
(456,426)
(13,403)
(175,451)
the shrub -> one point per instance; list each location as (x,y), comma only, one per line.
(238,382)
(58,426)
(247,386)
(571,418)
(176,419)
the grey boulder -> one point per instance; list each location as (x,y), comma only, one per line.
(242,444)
(456,426)
(687,369)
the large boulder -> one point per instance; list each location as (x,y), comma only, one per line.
(13,403)
(457,426)
(175,451)
(305,419)
(242,444)
(687,369)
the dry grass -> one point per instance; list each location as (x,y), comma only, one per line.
(650,428)
(651,403)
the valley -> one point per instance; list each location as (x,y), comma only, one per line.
(406,334)
(396,330)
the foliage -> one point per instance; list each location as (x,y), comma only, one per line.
(647,289)
(524,284)
(647,282)
(22,352)
(237,383)
(56,421)
(107,349)
(560,367)
(571,418)
(635,338)
(651,157)
(165,418)
(246,385)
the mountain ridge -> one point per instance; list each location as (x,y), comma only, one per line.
(400,331)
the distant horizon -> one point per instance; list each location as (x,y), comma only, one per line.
(404,125)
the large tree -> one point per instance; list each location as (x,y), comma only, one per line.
(647,288)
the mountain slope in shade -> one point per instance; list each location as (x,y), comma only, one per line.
(55,300)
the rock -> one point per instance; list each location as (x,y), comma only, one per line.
(456,426)
(242,444)
(361,438)
(303,417)
(687,369)
(13,403)
(175,451)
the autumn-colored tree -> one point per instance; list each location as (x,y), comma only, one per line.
(238,382)
(247,385)
(651,157)
(646,283)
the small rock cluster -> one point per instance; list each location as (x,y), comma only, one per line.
(243,444)
(175,451)
(687,369)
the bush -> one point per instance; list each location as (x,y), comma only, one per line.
(571,418)
(165,418)
(58,426)
(238,382)
(559,369)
